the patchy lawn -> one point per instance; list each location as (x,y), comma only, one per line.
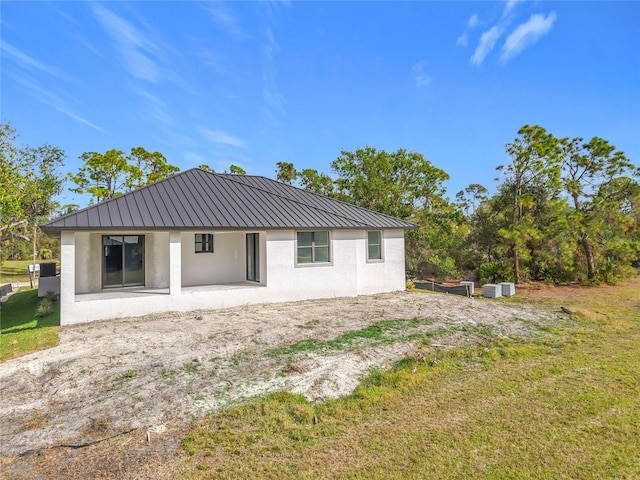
(457,388)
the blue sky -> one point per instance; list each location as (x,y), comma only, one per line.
(254,83)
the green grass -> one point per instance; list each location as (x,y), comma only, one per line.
(16,270)
(21,331)
(563,406)
(379,333)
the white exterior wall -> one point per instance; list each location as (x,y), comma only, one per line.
(156,261)
(168,257)
(88,266)
(382,276)
(290,282)
(88,260)
(226,263)
(68,278)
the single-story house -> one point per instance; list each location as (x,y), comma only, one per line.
(201,240)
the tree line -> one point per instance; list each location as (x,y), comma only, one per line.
(565,209)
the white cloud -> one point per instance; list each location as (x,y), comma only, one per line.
(526,35)
(219,136)
(421,77)
(55,102)
(30,62)
(223,17)
(271,95)
(510,4)
(462,40)
(487,42)
(135,47)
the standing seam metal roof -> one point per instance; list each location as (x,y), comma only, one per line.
(199,199)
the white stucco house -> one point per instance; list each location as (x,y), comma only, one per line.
(199,240)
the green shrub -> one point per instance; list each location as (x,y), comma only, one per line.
(441,267)
(51,296)
(45,308)
(492,272)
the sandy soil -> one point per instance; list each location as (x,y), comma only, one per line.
(162,371)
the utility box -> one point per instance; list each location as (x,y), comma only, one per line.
(48,284)
(48,269)
(491,290)
(469,285)
(508,289)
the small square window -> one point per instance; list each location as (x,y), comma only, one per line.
(204,243)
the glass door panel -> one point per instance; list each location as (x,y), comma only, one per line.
(253,257)
(112,274)
(133,260)
(122,260)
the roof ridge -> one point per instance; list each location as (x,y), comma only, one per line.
(312,193)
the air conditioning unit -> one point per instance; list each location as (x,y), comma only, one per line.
(48,269)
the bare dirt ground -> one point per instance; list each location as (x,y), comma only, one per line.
(149,377)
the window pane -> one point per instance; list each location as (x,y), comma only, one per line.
(304,254)
(322,254)
(203,242)
(305,239)
(374,238)
(374,252)
(321,238)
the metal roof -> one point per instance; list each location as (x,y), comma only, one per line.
(197,199)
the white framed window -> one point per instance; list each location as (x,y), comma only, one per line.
(374,246)
(313,247)
(204,242)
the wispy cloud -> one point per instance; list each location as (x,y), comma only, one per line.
(136,48)
(55,102)
(226,20)
(509,6)
(463,40)
(31,63)
(421,77)
(220,136)
(270,92)
(526,35)
(156,108)
(487,42)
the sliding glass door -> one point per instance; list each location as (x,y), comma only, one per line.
(122,260)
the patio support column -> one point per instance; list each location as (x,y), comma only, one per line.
(175,263)
(67,276)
